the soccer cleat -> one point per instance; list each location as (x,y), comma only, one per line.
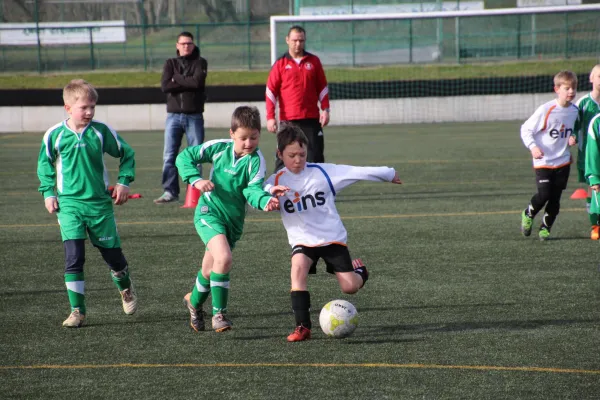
(300,333)
(544,233)
(220,323)
(129,299)
(595,234)
(526,223)
(360,269)
(166,197)
(196,316)
(75,319)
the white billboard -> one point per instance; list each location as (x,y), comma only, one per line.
(391,8)
(546,3)
(24,34)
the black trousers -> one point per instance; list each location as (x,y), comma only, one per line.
(316,142)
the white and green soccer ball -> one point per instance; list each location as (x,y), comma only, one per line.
(338,318)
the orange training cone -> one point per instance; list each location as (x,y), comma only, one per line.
(191,197)
(579,194)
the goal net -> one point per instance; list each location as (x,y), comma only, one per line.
(380,64)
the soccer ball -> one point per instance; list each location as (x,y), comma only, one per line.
(338,318)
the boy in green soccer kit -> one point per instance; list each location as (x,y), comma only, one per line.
(592,162)
(236,178)
(589,107)
(74,183)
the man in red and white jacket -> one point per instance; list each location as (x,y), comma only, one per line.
(298,81)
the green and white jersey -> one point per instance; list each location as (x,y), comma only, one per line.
(237,180)
(588,109)
(71,165)
(592,161)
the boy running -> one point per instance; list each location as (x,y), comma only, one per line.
(589,107)
(314,227)
(236,177)
(548,133)
(74,183)
(592,162)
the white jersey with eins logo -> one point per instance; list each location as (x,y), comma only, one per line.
(308,210)
(549,129)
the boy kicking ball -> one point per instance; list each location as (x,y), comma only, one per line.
(313,225)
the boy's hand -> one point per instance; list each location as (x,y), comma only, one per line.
(120,194)
(595,188)
(51,204)
(273,204)
(272,125)
(536,152)
(279,190)
(572,140)
(204,185)
(396,179)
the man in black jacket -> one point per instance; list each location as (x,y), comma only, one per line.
(183,80)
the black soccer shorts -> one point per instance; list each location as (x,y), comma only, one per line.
(337,257)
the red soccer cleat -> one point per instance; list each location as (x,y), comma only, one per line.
(301,333)
(595,234)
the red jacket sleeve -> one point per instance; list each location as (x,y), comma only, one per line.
(272,92)
(322,87)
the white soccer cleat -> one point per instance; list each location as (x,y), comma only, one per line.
(129,298)
(75,319)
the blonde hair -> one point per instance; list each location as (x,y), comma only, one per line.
(78,89)
(595,69)
(565,77)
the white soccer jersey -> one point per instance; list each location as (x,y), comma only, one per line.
(549,129)
(308,210)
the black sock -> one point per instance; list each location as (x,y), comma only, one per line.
(301,307)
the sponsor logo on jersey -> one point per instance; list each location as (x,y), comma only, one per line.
(80,145)
(230,171)
(303,203)
(562,132)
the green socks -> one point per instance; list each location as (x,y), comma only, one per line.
(121,279)
(76,291)
(593,217)
(200,291)
(219,289)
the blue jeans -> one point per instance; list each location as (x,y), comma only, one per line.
(178,124)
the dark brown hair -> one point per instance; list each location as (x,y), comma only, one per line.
(289,133)
(245,117)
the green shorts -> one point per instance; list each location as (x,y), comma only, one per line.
(209,223)
(102,229)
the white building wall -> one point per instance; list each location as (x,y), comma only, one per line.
(150,117)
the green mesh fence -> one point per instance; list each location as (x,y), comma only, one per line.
(450,40)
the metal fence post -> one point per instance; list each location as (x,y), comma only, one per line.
(37,31)
(92,61)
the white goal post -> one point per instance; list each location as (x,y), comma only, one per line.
(275,20)
(380,60)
